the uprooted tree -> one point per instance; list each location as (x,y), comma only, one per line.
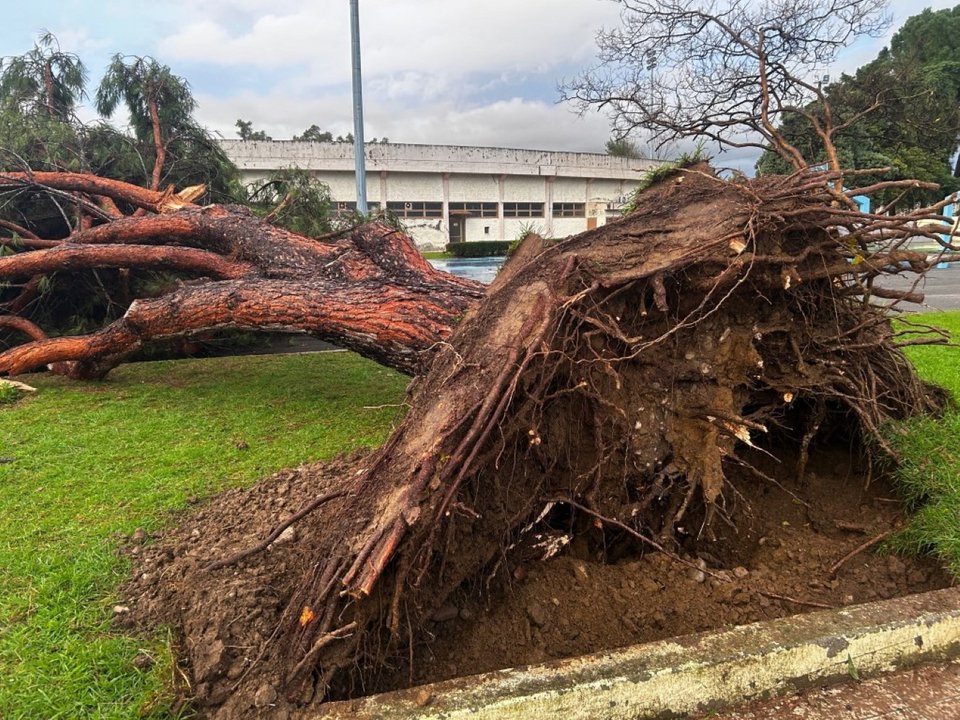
(616,376)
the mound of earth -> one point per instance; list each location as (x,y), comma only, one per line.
(596,593)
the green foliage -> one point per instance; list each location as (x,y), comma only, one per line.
(663,172)
(8,393)
(144,85)
(294,199)
(174,432)
(246,132)
(479,248)
(623,147)
(916,126)
(928,467)
(44,81)
(315,134)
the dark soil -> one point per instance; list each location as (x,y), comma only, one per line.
(597,593)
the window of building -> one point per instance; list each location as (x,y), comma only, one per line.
(476,209)
(522,209)
(416,209)
(569,210)
(347,206)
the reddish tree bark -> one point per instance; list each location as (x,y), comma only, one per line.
(368,289)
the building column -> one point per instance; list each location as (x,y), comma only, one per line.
(548,206)
(383,191)
(445,184)
(501,182)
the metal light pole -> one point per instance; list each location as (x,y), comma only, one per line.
(358,109)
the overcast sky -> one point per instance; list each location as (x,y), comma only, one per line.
(435,71)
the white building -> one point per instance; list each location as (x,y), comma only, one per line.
(455,193)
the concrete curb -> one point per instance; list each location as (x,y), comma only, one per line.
(694,673)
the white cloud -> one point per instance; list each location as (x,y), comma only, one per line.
(435,71)
(432,38)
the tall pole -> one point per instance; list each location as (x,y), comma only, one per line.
(358,109)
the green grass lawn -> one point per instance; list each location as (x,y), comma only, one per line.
(84,461)
(930,456)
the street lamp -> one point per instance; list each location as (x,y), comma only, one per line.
(360,168)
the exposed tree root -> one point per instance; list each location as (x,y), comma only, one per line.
(619,369)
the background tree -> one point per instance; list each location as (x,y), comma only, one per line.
(160,103)
(908,104)
(44,79)
(314,134)
(623,147)
(31,138)
(246,132)
(730,71)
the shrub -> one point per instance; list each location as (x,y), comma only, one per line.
(479,248)
(8,393)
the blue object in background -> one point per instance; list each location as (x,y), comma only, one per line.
(948,211)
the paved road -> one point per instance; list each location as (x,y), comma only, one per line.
(941,288)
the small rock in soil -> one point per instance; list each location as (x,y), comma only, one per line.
(208,663)
(740,572)
(139,536)
(466,614)
(288,535)
(536,614)
(266,695)
(698,575)
(423,697)
(121,609)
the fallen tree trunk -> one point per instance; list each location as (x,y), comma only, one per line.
(367,289)
(612,378)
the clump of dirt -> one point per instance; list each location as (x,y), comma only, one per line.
(599,592)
